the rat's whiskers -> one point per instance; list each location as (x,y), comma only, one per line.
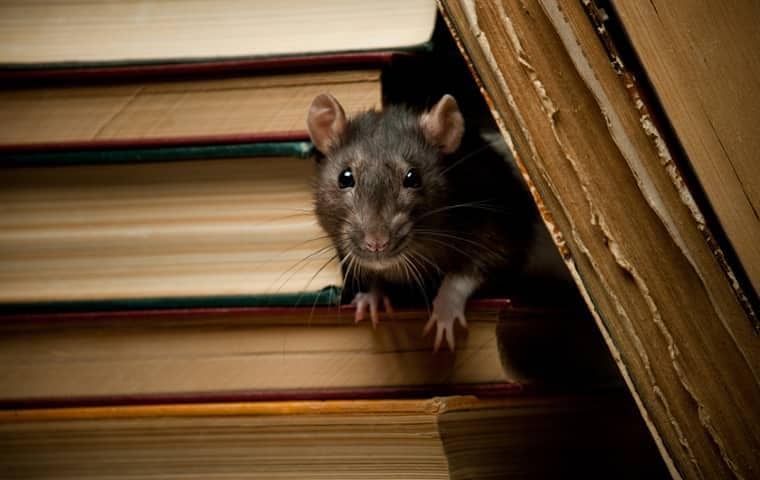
(446,245)
(417,279)
(484,205)
(419,255)
(469,155)
(451,236)
(296,267)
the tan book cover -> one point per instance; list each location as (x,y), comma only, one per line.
(458,437)
(288,352)
(156,109)
(187,228)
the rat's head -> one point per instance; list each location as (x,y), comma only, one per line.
(381,176)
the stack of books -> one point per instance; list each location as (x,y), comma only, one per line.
(169,306)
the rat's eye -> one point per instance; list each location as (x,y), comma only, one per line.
(346,179)
(412,179)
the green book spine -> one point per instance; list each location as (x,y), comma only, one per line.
(157,154)
(328,296)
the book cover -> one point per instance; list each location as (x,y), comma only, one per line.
(192,355)
(456,437)
(71,33)
(174,108)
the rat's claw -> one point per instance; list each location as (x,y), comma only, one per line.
(370,301)
(373,312)
(447,311)
(439,332)
(444,328)
(431,321)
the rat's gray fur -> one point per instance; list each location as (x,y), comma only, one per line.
(471,215)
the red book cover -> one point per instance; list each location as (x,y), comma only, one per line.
(15,76)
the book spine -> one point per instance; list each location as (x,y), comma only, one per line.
(23,75)
(154,150)
(495,390)
(166,307)
(321,301)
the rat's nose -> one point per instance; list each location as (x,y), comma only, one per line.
(376,241)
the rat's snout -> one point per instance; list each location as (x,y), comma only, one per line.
(376,240)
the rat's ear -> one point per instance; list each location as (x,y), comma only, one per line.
(443,125)
(326,121)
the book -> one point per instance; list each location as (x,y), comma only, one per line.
(265,353)
(457,437)
(609,183)
(179,104)
(705,93)
(160,224)
(69,32)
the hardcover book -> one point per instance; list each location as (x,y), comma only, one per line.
(460,437)
(266,353)
(69,32)
(153,225)
(170,105)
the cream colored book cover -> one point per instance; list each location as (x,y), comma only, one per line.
(189,228)
(140,31)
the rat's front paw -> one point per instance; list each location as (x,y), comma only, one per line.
(370,301)
(445,314)
(448,306)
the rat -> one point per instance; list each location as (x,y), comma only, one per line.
(415,204)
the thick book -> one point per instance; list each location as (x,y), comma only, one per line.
(618,195)
(179,104)
(460,437)
(161,225)
(69,32)
(266,353)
